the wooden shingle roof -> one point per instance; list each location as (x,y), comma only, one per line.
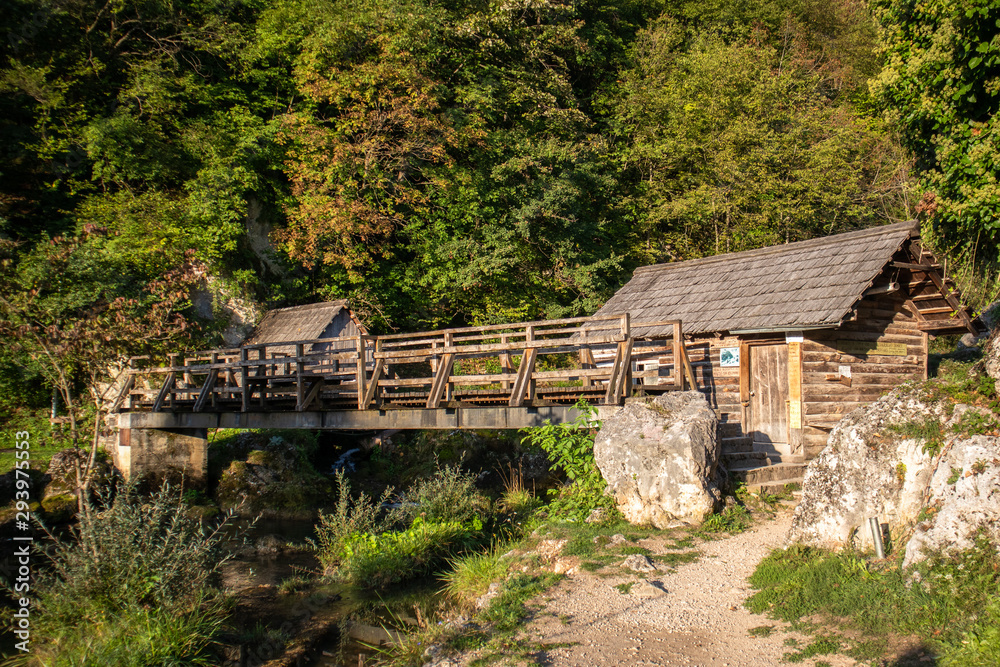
(811,283)
(296,323)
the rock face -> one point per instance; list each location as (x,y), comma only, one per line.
(991,358)
(660,459)
(966,492)
(898,458)
(867,469)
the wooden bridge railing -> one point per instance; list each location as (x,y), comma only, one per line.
(527,363)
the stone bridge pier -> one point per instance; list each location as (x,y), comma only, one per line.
(163,454)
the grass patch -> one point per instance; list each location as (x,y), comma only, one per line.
(761,631)
(951,602)
(734,519)
(470,575)
(821,646)
(625,588)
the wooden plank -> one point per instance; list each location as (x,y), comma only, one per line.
(688,370)
(492,349)
(300,388)
(161,396)
(624,377)
(124,393)
(361,372)
(206,391)
(927,268)
(524,372)
(678,354)
(440,381)
(372,385)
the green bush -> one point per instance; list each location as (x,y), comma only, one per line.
(350,516)
(379,560)
(471,575)
(570,448)
(447,495)
(136,584)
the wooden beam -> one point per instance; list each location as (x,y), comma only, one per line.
(300,389)
(440,380)
(954,303)
(524,372)
(361,372)
(315,388)
(206,391)
(678,356)
(168,384)
(916,267)
(245,375)
(126,388)
(688,370)
(372,387)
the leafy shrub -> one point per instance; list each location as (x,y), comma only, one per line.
(733,519)
(570,448)
(379,560)
(447,495)
(350,516)
(135,585)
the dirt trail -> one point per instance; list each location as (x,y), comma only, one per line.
(699,620)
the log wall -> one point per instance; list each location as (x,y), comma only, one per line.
(827,394)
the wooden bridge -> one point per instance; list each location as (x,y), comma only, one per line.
(498,376)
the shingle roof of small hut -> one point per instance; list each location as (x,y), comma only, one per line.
(811,283)
(296,323)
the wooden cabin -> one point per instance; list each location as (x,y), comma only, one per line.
(786,340)
(329,319)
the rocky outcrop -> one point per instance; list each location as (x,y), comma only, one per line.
(660,458)
(902,458)
(965,492)
(991,358)
(868,469)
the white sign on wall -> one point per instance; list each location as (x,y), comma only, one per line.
(729,356)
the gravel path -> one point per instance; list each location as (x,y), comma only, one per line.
(699,620)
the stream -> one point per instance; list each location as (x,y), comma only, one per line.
(271,551)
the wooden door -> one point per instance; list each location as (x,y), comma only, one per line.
(769,394)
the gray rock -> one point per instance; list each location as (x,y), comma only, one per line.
(965,489)
(648,589)
(991,358)
(867,469)
(596,515)
(660,459)
(639,563)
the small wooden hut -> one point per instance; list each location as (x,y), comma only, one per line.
(329,319)
(785,340)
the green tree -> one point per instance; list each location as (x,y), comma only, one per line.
(941,87)
(739,144)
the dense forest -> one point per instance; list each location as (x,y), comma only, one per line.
(448,162)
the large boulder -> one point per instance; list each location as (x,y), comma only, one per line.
(965,497)
(904,457)
(660,458)
(869,468)
(991,358)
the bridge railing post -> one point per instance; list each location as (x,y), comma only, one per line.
(361,372)
(245,378)
(678,356)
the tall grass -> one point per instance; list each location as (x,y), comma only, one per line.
(136,585)
(351,516)
(470,575)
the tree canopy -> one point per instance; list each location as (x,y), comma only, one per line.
(448,162)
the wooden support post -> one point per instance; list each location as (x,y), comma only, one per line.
(587,362)
(529,335)
(206,390)
(174,361)
(315,389)
(165,390)
(300,386)
(524,372)
(449,388)
(361,372)
(678,357)
(441,378)
(262,372)
(245,376)
(619,374)
(506,364)
(688,369)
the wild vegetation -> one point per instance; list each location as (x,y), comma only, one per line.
(450,163)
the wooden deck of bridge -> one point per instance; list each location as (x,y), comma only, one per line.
(498,376)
